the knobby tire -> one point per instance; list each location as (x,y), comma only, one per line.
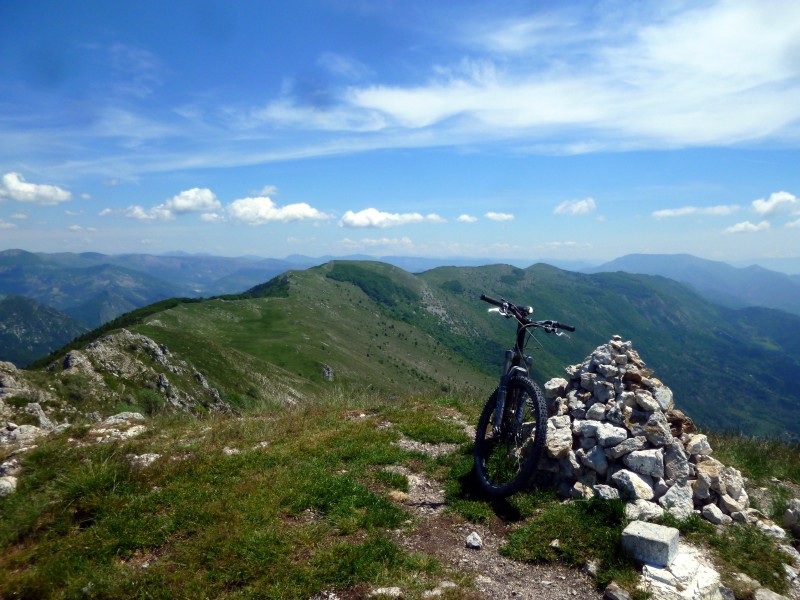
(505,463)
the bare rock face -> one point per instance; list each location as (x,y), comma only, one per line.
(622,432)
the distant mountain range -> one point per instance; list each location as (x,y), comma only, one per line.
(29,330)
(716,281)
(374,325)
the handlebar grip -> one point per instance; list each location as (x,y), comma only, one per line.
(486,298)
(567,327)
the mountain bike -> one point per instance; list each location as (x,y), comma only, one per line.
(511,430)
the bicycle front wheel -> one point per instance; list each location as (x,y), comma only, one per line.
(506,459)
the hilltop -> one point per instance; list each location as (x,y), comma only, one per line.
(371,325)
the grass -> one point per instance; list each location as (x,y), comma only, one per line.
(303,506)
(584,530)
(291,518)
(760,459)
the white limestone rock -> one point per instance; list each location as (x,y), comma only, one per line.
(646,462)
(678,501)
(632,485)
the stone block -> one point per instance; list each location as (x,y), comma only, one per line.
(650,543)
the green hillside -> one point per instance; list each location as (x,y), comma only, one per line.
(371,325)
(729,369)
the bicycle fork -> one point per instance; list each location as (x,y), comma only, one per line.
(508,370)
(500,408)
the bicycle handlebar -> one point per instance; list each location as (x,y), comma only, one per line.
(520,311)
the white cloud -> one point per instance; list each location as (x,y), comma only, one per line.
(86,196)
(105,212)
(157,213)
(20,216)
(717,211)
(575,207)
(777,203)
(372,217)
(261,210)
(466,219)
(80,228)
(712,74)
(269,190)
(748,227)
(6,225)
(212,217)
(793,224)
(15,187)
(193,200)
(497,216)
(188,201)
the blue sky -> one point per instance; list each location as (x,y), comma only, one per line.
(526,130)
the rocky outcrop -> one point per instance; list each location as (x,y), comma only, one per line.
(613,431)
(141,362)
(121,368)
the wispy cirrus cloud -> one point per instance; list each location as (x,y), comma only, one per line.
(716,211)
(674,76)
(372,217)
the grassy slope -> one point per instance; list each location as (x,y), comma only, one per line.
(239,342)
(306,505)
(377,325)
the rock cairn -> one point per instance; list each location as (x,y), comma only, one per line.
(613,432)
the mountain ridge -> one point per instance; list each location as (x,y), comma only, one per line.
(717,281)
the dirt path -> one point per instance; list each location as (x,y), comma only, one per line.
(443,535)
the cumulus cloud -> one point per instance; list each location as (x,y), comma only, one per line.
(498,216)
(212,217)
(372,217)
(793,224)
(777,203)
(6,225)
(157,213)
(575,207)
(717,211)
(748,227)
(261,210)
(188,201)
(193,200)
(14,187)
(466,219)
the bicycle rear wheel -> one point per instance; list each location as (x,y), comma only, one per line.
(505,460)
